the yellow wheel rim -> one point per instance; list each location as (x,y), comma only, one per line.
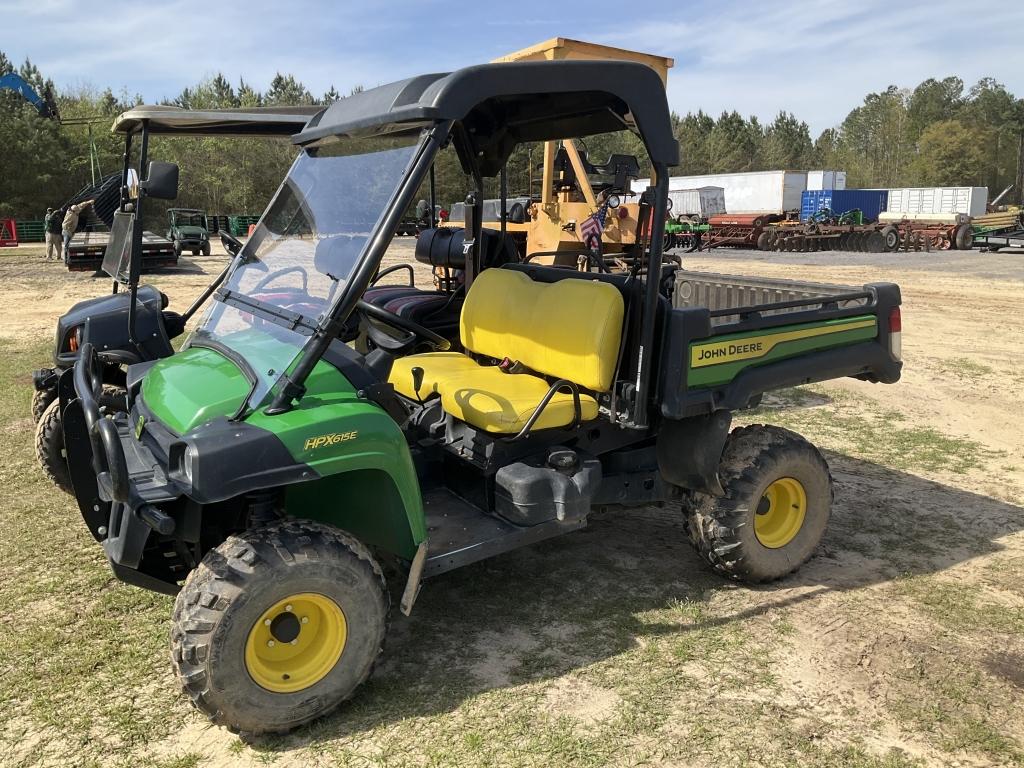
(296,642)
(780,513)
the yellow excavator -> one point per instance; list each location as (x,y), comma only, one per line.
(551,230)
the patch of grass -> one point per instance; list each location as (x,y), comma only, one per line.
(80,654)
(880,435)
(961,607)
(966,369)
(942,692)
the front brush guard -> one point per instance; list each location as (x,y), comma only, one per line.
(108,460)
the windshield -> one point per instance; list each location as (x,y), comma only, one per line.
(190,219)
(303,251)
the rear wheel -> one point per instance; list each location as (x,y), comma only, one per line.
(50,436)
(206,248)
(177,248)
(778,497)
(278,626)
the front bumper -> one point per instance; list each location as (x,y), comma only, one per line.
(121,489)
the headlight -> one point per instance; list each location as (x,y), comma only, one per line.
(73,340)
(188,460)
(614,201)
(181,461)
(668,204)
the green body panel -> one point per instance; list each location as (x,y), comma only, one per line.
(199,384)
(775,344)
(367,484)
(192,387)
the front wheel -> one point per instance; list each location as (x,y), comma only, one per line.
(206,248)
(778,498)
(41,400)
(278,626)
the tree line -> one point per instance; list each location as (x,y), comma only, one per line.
(940,133)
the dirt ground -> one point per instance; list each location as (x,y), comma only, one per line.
(901,643)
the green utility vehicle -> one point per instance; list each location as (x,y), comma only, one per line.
(189,231)
(267,471)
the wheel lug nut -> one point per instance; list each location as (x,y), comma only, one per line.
(267,622)
(295,641)
(288,608)
(305,619)
(270,643)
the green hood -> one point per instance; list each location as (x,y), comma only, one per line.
(189,231)
(192,387)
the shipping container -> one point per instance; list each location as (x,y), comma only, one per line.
(703,202)
(755,192)
(871,202)
(967,200)
(826,180)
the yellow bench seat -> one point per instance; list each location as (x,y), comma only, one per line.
(484,396)
(569,329)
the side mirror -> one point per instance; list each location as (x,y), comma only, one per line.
(161,181)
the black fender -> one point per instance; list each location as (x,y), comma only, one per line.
(690,451)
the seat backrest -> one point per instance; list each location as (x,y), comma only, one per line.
(570,329)
(442,247)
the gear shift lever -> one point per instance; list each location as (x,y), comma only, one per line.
(417,382)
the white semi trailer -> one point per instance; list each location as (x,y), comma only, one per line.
(754,192)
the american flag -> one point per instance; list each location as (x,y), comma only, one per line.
(592,227)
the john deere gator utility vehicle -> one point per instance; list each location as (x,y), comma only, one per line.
(266,470)
(104,320)
(189,230)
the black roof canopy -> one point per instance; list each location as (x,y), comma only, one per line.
(501,105)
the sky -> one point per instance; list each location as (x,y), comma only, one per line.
(816,59)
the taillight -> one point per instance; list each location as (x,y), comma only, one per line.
(896,333)
(75,339)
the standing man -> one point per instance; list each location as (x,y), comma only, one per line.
(51,225)
(70,225)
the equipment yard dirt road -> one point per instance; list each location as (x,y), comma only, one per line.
(901,643)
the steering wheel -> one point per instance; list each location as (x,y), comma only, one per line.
(281,273)
(231,243)
(413,331)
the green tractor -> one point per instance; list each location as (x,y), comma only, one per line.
(189,231)
(270,475)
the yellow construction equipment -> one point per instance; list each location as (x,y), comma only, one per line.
(552,224)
